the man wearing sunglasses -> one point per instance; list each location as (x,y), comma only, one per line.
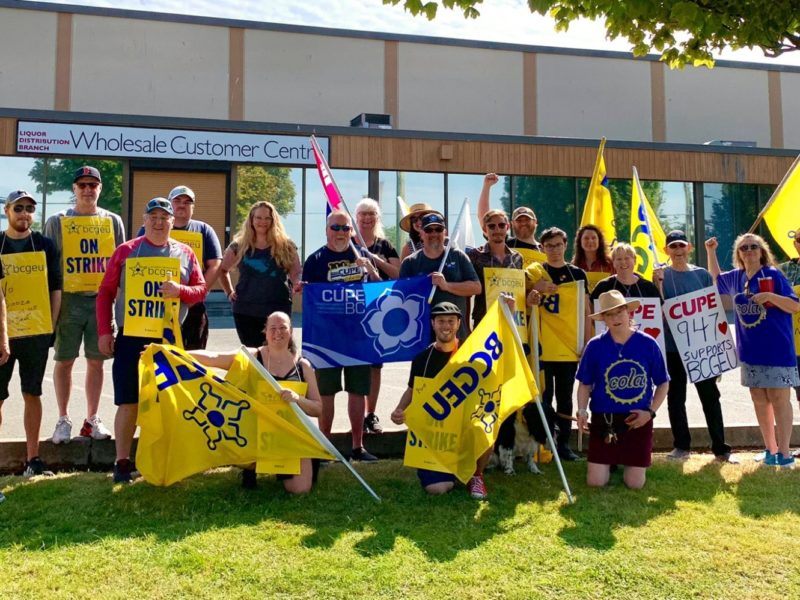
(337,261)
(682,277)
(456,282)
(29,263)
(523,219)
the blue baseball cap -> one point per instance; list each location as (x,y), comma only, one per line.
(157,203)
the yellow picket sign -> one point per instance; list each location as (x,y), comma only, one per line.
(144,305)
(531,256)
(796,325)
(87,246)
(193,239)
(511,281)
(562,323)
(27,294)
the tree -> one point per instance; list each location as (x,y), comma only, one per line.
(56,175)
(273,184)
(683,31)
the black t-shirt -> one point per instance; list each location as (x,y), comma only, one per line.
(566,274)
(263,286)
(641,289)
(35,242)
(428,363)
(513,242)
(383,248)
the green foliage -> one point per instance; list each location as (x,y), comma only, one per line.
(55,175)
(255,183)
(684,32)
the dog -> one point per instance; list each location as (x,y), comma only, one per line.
(522,434)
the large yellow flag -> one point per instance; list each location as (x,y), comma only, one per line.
(454,418)
(598,210)
(647,236)
(191,420)
(782,212)
(562,321)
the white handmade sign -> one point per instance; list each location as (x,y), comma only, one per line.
(702,335)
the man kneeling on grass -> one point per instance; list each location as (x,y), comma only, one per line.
(446,320)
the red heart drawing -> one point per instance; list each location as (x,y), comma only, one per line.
(653,332)
(723,327)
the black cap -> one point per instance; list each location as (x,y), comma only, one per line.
(18,195)
(87,172)
(676,235)
(433,218)
(445,308)
(157,203)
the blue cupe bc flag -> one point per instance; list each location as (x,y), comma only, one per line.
(348,324)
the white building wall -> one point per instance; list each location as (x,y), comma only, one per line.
(790,94)
(27,59)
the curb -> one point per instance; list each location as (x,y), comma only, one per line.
(85,454)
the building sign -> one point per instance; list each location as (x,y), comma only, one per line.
(140,142)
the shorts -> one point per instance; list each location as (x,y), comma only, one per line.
(427,477)
(77,323)
(633,448)
(762,376)
(194,328)
(356,380)
(125,369)
(31,352)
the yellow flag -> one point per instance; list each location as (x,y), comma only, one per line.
(454,418)
(782,213)
(192,420)
(171,326)
(595,277)
(647,236)
(562,323)
(598,210)
(530,256)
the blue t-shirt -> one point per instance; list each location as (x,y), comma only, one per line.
(622,376)
(764,336)
(678,283)
(211,247)
(327,266)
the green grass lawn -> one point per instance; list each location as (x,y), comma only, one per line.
(697,530)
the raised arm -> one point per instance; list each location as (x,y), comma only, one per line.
(711,253)
(483,200)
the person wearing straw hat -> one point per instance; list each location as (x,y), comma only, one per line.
(618,371)
(412,225)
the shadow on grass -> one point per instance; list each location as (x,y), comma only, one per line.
(83,508)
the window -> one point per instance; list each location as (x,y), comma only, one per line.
(353,185)
(729,209)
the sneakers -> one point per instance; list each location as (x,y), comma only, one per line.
(678,454)
(249,479)
(770,459)
(477,488)
(784,462)
(123,471)
(565,453)
(94,428)
(372,424)
(361,454)
(36,466)
(761,456)
(63,432)
(729,458)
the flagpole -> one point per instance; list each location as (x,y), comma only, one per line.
(595,171)
(775,194)
(510,321)
(449,244)
(642,200)
(309,424)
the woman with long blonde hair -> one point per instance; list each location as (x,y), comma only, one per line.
(269,271)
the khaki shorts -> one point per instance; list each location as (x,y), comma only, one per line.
(77,323)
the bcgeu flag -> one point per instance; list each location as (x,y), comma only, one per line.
(192,420)
(561,323)
(348,324)
(455,417)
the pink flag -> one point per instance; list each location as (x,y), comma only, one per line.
(331,191)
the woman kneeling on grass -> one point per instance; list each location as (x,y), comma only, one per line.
(281,358)
(617,371)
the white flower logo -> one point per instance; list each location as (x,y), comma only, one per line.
(395,322)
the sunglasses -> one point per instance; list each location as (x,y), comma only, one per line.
(434,229)
(746,247)
(30,208)
(675,245)
(90,184)
(494,226)
(336,227)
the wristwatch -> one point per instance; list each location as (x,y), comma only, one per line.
(652,413)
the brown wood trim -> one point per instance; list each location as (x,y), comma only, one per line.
(658,102)
(63,93)
(8,137)
(529,98)
(397,154)
(236,74)
(391,81)
(775,109)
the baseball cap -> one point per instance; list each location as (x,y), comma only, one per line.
(18,195)
(87,172)
(522,211)
(157,203)
(445,308)
(181,190)
(433,218)
(676,235)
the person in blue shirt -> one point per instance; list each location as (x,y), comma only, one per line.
(764,337)
(617,372)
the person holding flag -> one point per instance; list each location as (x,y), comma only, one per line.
(456,280)
(145,279)
(281,357)
(617,372)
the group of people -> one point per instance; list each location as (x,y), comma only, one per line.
(95,299)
